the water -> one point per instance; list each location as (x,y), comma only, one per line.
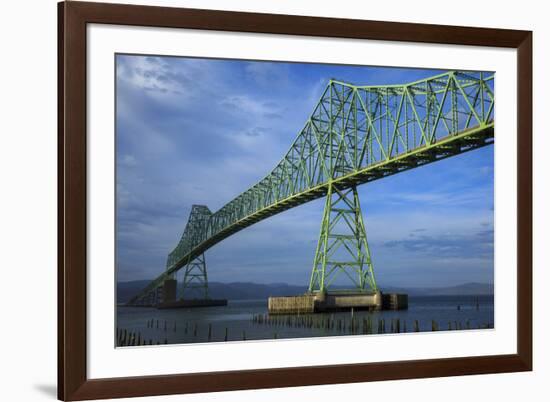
(240,319)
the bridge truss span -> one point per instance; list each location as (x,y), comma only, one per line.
(354,135)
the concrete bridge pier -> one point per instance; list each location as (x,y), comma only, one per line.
(320,302)
(169,290)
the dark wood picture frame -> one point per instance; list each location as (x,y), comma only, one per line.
(73,383)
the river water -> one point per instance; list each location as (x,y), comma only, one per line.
(248,320)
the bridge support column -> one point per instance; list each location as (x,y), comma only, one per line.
(342,247)
(195,280)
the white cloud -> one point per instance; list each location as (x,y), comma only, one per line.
(169,81)
(128,161)
(268,74)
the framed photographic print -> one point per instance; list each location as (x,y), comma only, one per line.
(254,200)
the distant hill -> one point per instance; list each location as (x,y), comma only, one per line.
(466,289)
(126,290)
(249,290)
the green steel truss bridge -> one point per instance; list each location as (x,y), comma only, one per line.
(355,134)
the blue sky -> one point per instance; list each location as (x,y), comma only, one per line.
(200,131)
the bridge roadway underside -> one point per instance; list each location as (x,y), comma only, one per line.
(446,147)
(442,149)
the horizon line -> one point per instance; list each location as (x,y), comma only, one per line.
(305,285)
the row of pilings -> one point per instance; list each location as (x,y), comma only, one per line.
(134,338)
(357,325)
(159,331)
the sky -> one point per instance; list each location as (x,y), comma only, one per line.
(202,131)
